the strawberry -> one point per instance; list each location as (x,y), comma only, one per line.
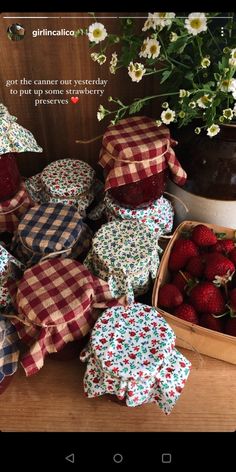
(195,266)
(186,312)
(232,256)
(207,320)
(181,280)
(169,296)
(207,298)
(225,246)
(203,236)
(218,265)
(181,252)
(230,327)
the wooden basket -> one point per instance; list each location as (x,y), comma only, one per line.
(189,335)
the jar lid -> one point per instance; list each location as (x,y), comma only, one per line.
(129,245)
(132,342)
(13,137)
(67,178)
(50,227)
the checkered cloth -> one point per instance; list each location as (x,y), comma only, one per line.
(50,229)
(9,350)
(135,149)
(12,210)
(55,303)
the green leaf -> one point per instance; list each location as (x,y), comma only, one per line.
(136,106)
(165,75)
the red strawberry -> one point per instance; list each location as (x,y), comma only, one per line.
(195,266)
(218,265)
(232,256)
(181,252)
(186,312)
(169,296)
(203,236)
(207,320)
(207,298)
(224,246)
(230,327)
(181,279)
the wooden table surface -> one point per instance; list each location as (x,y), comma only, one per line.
(53,400)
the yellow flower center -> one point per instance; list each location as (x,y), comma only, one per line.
(162,14)
(168,116)
(153,49)
(138,73)
(97,33)
(195,23)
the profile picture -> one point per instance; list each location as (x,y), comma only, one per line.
(16,32)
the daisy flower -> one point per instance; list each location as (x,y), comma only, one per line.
(204,101)
(205,62)
(97,32)
(150,48)
(167,116)
(196,23)
(213,130)
(228,113)
(136,71)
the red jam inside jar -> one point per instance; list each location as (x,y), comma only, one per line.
(143,192)
(9,176)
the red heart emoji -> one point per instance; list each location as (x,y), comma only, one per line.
(74,99)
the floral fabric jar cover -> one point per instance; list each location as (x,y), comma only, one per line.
(125,254)
(131,354)
(56,302)
(158,215)
(9,350)
(50,228)
(6,272)
(69,181)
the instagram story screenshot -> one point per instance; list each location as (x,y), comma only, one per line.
(117,231)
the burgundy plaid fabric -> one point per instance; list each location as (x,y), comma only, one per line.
(136,148)
(12,210)
(57,302)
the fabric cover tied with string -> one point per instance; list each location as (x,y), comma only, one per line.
(125,254)
(69,181)
(136,148)
(50,230)
(158,216)
(12,210)
(131,354)
(56,301)
(9,352)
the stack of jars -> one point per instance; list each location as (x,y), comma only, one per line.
(14,199)
(137,158)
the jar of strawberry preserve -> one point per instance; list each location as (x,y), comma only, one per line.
(9,176)
(137,157)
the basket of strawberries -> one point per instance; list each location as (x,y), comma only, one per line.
(195,288)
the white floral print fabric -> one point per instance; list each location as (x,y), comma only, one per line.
(13,137)
(131,354)
(125,254)
(158,215)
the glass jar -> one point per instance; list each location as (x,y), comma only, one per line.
(142,192)
(9,176)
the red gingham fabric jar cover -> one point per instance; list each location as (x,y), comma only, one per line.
(131,354)
(12,210)
(136,148)
(56,302)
